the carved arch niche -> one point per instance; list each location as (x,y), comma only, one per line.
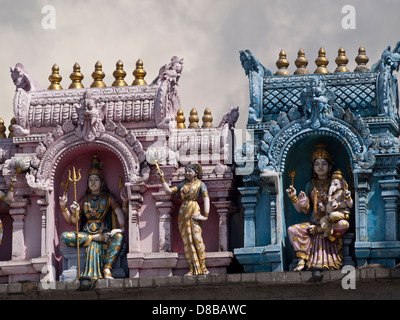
(80,158)
(299,159)
(122,156)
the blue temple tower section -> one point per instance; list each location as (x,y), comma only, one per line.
(360,124)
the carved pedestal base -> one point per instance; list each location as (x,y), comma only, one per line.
(260,259)
(173,264)
(23,270)
(70,263)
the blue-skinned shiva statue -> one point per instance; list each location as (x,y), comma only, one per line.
(98,214)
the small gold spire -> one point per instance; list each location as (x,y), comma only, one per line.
(180,120)
(193,119)
(321,62)
(282,64)
(55,78)
(119,75)
(2,129)
(361,60)
(76,76)
(301,63)
(10,127)
(207,119)
(98,76)
(139,74)
(341,61)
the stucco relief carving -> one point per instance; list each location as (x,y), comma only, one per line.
(167,101)
(90,118)
(54,145)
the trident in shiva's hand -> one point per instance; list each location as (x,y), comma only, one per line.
(75,179)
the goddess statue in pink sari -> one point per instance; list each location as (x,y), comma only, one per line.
(314,250)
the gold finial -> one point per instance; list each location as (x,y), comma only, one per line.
(361,60)
(139,74)
(98,76)
(282,64)
(341,61)
(2,129)
(207,119)
(180,120)
(321,62)
(55,78)
(11,128)
(119,75)
(76,77)
(301,63)
(193,119)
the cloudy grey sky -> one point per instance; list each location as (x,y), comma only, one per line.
(208,34)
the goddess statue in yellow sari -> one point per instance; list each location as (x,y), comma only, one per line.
(190,218)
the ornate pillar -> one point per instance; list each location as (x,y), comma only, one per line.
(43,210)
(271,183)
(223,207)
(18,213)
(362,188)
(135,203)
(249,202)
(164,207)
(390,194)
(361,203)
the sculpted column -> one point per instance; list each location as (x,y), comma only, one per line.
(361,245)
(43,210)
(390,194)
(18,213)
(223,207)
(249,202)
(164,207)
(135,257)
(135,203)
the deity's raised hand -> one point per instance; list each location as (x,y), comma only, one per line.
(291,191)
(303,200)
(63,200)
(123,195)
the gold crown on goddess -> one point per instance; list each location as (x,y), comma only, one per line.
(96,167)
(321,152)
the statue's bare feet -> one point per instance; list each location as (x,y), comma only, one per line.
(107,273)
(300,265)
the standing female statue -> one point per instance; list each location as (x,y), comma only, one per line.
(190,218)
(98,213)
(313,249)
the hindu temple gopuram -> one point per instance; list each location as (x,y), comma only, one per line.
(83,175)
(321,176)
(105,181)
